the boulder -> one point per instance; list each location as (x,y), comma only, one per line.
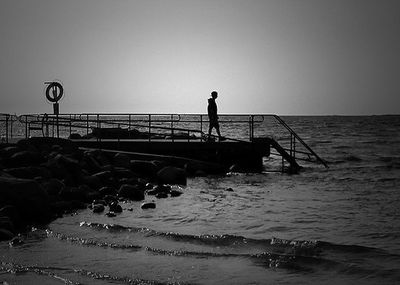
(98,208)
(159,189)
(161,195)
(25,158)
(111,214)
(121,160)
(172,175)
(29,199)
(66,168)
(62,207)
(175,193)
(148,205)
(146,168)
(93,182)
(5,234)
(52,186)
(132,192)
(11,213)
(28,172)
(8,151)
(115,207)
(107,190)
(6,223)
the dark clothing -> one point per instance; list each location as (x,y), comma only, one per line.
(213,116)
(212,110)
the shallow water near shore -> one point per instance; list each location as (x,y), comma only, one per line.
(323,226)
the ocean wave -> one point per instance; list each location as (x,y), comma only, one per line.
(300,247)
(52,272)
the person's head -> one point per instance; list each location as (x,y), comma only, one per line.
(214,94)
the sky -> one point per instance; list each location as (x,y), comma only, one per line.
(285,57)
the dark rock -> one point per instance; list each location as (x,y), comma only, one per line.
(28,197)
(10,212)
(175,193)
(62,207)
(65,168)
(5,234)
(93,182)
(92,195)
(111,214)
(148,186)
(229,189)
(161,195)
(98,208)
(106,178)
(115,207)
(97,201)
(7,224)
(159,189)
(132,192)
(72,193)
(28,172)
(110,199)
(52,186)
(107,190)
(172,175)
(147,168)
(7,152)
(25,158)
(90,164)
(120,172)
(148,205)
(16,241)
(122,160)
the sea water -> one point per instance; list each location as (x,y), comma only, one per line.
(339,225)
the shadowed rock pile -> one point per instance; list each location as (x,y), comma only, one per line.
(43,178)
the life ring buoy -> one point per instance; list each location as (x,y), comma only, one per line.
(54,97)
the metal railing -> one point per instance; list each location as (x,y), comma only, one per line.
(173,127)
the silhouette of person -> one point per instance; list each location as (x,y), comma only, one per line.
(213,115)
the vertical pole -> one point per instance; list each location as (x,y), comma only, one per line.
(291,144)
(149,127)
(7,128)
(294,148)
(70,124)
(252,127)
(98,127)
(87,124)
(11,127)
(58,127)
(172,128)
(26,127)
(201,127)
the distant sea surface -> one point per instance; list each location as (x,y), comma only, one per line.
(339,225)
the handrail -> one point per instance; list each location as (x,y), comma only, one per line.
(283,123)
(174,123)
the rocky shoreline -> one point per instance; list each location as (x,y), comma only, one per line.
(42,179)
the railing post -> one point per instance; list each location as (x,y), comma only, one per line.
(201,127)
(70,124)
(26,127)
(7,128)
(87,124)
(172,128)
(149,127)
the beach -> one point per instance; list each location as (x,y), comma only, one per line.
(321,226)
